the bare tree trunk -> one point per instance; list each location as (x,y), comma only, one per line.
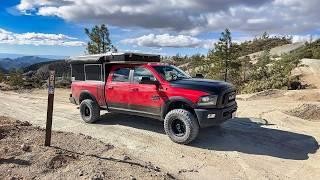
(226,63)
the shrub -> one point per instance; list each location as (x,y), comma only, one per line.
(15,78)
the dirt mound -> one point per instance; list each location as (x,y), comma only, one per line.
(60,160)
(72,156)
(309,112)
(271,93)
(7,125)
(303,95)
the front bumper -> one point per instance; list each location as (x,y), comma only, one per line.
(221,115)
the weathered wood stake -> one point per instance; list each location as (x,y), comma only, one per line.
(50,107)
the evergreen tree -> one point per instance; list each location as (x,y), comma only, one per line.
(262,68)
(99,40)
(223,50)
(224,57)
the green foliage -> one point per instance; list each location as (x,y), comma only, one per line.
(15,78)
(215,67)
(310,50)
(245,68)
(261,68)
(228,59)
(178,59)
(196,60)
(262,43)
(190,64)
(270,73)
(99,40)
(224,62)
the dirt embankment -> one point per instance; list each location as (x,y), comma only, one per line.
(23,156)
(309,71)
(309,112)
(271,93)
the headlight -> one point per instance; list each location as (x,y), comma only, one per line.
(208,100)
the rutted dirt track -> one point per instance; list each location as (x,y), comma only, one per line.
(264,142)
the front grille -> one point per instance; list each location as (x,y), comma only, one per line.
(228,97)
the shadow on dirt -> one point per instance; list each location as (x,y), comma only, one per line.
(13,160)
(132,121)
(245,135)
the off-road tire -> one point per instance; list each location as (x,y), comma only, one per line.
(190,122)
(93,108)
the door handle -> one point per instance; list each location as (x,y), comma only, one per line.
(111,87)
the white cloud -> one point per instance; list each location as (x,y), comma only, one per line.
(257,21)
(32,38)
(304,38)
(48,11)
(166,40)
(187,16)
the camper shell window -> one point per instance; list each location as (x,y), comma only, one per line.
(77,71)
(93,72)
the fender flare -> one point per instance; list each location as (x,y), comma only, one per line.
(165,106)
(86,93)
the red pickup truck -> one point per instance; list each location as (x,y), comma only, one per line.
(138,84)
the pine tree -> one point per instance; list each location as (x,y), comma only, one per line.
(224,58)
(99,40)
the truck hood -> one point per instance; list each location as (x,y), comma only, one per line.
(205,85)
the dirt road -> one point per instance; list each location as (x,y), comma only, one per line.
(72,156)
(264,142)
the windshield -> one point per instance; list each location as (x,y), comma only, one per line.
(171,73)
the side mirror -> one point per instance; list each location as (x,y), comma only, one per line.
(199,76)
(147,80)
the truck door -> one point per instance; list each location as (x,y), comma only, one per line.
(145,98)
(117,88)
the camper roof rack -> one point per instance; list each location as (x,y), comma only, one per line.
(111,57)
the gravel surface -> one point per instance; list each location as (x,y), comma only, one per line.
(262,143)
(72,156)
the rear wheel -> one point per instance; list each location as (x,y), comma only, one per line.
(90,111)
(181,126)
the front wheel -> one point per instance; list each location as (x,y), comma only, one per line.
(89,110)
(181,126)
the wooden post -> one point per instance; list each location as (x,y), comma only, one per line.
(50,108)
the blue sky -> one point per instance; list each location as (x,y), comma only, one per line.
(168,27)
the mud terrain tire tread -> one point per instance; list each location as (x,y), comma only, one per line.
(190,121)
(94,110)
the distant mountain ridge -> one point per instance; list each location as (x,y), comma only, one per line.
(14,56)
(41,69)
(2,70)
(21,62)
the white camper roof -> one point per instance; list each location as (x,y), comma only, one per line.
(116,57)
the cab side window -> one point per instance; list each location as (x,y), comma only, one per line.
(121,74)
(140,72)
